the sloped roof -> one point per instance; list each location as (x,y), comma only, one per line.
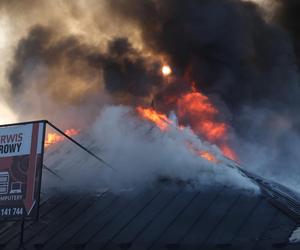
(163,217)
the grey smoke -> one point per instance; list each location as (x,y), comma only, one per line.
(141,155)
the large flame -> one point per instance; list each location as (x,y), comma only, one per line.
(53,138)
(195,110)
(163,123)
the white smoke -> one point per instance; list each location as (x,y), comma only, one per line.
(271,150)
(141,155)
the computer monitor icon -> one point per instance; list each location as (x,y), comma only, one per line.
(4,182)
(16,188)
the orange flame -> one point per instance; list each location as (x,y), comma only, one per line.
(229,153)
(196,110)
(161,120)
(53,138)
(208,156)
(213,130)
(163,123)
(201,115)
(203,154)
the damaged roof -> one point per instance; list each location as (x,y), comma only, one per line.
(168,216)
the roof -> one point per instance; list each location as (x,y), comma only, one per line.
(167,216)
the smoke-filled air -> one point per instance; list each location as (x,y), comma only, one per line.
(162,90)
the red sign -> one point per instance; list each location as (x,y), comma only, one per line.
(21,161)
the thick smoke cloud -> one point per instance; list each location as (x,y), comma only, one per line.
(141,156)
(232,51)
(73,73)
(122,65)
(88,53)
(287,15)
(125,71)
(224,45)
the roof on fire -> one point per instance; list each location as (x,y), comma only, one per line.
(165,217)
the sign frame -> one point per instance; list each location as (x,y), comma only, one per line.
(36,175)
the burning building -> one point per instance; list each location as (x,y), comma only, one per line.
(228,69)
(166,91)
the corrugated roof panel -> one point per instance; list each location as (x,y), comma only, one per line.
(95,210)
(277,233)
(256,225)
(207,223)
(83,236)
(125,217)
(167,217)
(202,201)
(232,221)
(141,222)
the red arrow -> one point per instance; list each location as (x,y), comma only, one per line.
(31,171)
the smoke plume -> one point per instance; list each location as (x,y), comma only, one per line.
(226,47)
(141,155)
(68,59)
(287,17)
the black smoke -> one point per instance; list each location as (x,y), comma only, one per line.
(226,46)
(120,68)
(232,51)
(287,16)
(125,71)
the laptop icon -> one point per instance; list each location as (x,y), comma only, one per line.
(16,188)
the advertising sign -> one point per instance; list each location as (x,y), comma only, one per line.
(21,161)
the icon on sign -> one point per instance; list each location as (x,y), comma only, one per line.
(4,182)
(16,188)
